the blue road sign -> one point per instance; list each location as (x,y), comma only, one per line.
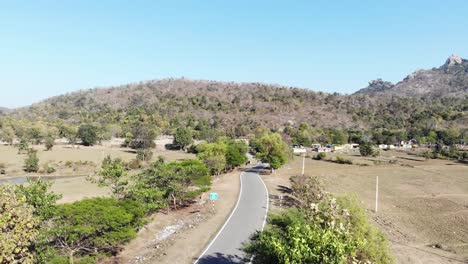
(213,196)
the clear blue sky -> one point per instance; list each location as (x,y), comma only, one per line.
(51,47)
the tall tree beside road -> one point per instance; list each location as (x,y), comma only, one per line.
(271,149)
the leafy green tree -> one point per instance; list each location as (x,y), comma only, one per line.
(366,149)
(49,143)
(88,134)
(170,183)
(23,146)
(31,163)
(113,174)
(142,137)
(183,137)
(339,137)
(213,155)
(69,132)
(450,136)
(236,153)
(18,227)
(272,149)
(37,194)
(93,226)
(7,134)
(34,134)
(216,163)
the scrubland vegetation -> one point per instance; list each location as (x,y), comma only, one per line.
(319,229)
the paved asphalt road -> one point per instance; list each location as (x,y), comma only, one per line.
(247,217)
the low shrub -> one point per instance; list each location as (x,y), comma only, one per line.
(31,163)
(97,225)
(49,169)
(341,160)
(133,164)
(320,156)
(340,226)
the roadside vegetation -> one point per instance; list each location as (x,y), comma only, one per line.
(339,225)
(88,230)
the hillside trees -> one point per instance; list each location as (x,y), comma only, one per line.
(7,134)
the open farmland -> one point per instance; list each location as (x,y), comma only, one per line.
(73,165)
(423,206)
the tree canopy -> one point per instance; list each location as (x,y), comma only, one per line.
(271,148)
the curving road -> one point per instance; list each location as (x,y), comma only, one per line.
(248,216)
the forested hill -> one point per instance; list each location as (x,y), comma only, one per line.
(239,108)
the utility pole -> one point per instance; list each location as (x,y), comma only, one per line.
(376,193)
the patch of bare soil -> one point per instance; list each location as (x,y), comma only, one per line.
(181,236)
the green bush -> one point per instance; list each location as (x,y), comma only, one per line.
(98,225)
(292,237)
(31,163)
(38,195)
(341,160)
(49,143)
(321,156)
(373,244)
(49,168)
(321,229)
(427,154)
(366,149)
(173,183)
(88,134)
(134,164)
(144,155)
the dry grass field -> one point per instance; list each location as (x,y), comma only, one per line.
(423,204)
(73,165)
